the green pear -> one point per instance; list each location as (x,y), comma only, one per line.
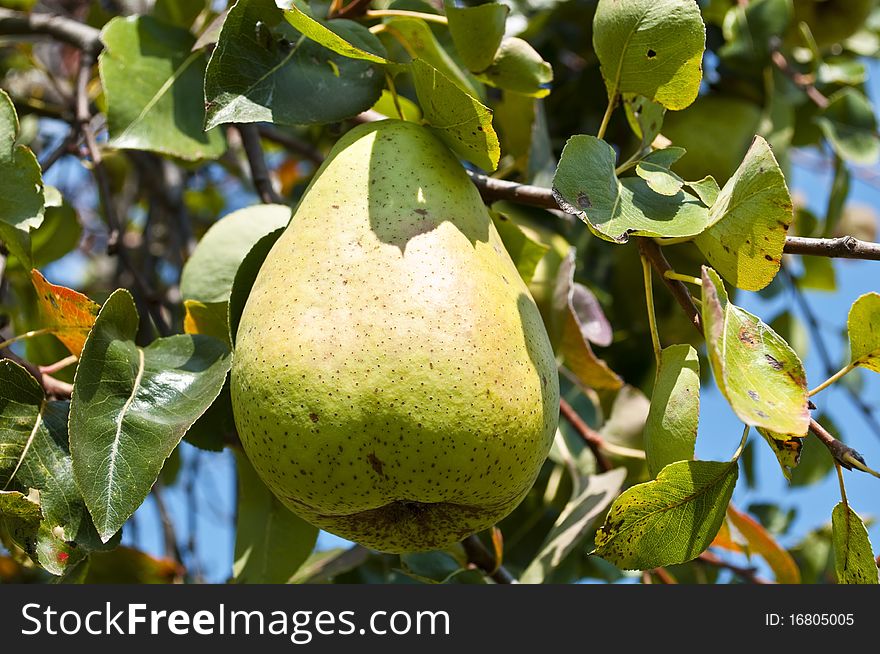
(393,382)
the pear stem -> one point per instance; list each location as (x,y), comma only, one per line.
(649,301)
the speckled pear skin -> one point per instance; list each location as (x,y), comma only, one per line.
(393,382)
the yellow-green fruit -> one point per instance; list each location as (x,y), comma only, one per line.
(393,382)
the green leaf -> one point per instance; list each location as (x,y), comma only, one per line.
(706,189)
(651,47)
(387,106)
(669,520)
(519,68)
(210,319)
(216,426)
(671,429)
(245,277)
(748,31)
(208,274)
(323,34)
(131,406)
(849,124)
(853,558)
(420,43)
(573,523)
(179,12)
(574,331)
(755,369)
(262,69)
(271,543)
(654,169)
(20,506)
(585,185)
(749,220)
(34,456)
(645,118)
(818,274)
(863,325)
(164,111)
(787,449)
(21,187)
(477,32)
(525,252)
(460,120)
(59,233)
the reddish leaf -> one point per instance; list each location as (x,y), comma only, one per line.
(66,314)
(762,543)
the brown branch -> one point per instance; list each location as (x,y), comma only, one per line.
(172,549)
(591,437)
(747,574)
(65,147)
(492,189)
(102,182)
(844,247)
(804,82)
(663,575)
(250,140)
(481,557)
(67,30)
(847,247)
(652,252)
(353,9)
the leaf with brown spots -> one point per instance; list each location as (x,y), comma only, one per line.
(756,370)
(749,220)
(853,557)
(66,314)
(786,448)
(760,542)
(669,520)
(864,331)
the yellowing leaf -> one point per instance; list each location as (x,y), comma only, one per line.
(209,319)
(755,369)
(864,331)
(66,314)
(762,543)
(749,220)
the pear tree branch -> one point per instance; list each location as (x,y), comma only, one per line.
(253,149)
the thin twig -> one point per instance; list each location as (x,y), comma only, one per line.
(63,148)
(816,332)
(846,247)
(652,252)
(481,557)
(591,437)
(804,82)
(172,549)
(102,182)
(843,247)
(67,30)
(747,574)
(250,140)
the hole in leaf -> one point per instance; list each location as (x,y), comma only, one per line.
(651,54)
